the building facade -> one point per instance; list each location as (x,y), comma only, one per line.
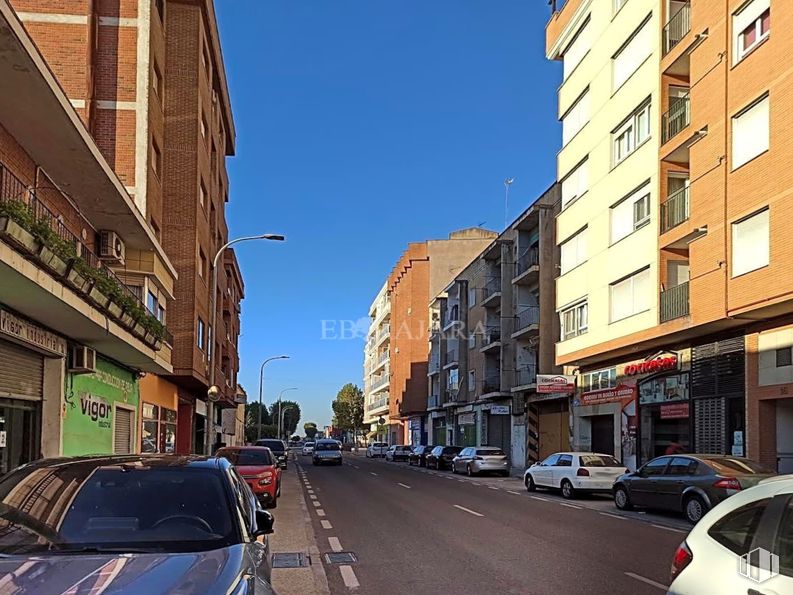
(377,367)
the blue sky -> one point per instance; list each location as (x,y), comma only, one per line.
(364,125)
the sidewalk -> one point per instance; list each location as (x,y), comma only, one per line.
(294,534)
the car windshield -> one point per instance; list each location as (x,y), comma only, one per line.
(247,457)
(327,446)
(490,452)
(735,466)
(309,444)
(274,445)
(598,461)
(124,508)
(379,445)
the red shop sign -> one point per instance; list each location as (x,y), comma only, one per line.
(608,395)
(674,411)
(658,364)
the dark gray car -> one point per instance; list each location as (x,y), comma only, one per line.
(691,484)
(139,524)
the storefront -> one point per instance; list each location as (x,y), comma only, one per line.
(466,429)
(417,435)
(548,425)
(100,411)
(496,425)
(438,427)
(665,414)
(159,402)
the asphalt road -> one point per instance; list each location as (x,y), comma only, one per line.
(415,531)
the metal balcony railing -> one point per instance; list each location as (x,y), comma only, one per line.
(492,286)
(383,358)
(491,335)
(452,314)
(434,363)
(383,332)
(676,119)
(674,302)
(528,317)
(491,384)
(526,374)
(675,210)
(677,27)
(530,258)
(433,401)
(378,403)
(380,381)
(451,356)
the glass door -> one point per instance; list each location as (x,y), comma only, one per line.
(20,423)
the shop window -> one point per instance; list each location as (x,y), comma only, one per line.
(599,380)
(663,389)
(158,432)
(784,357)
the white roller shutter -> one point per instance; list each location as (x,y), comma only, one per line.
(21,372)
(122,434)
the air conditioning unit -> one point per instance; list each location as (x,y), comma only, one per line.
(82,360)
(111,247)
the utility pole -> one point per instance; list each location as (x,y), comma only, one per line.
(507,183)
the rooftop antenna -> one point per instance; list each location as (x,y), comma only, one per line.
(507,184)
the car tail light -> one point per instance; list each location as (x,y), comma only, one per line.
(582,472)
(683,557)
(728,483)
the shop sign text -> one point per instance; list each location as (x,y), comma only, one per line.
(97,408)
(658,364)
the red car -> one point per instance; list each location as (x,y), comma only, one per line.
(258,468)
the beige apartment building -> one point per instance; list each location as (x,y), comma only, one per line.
(377,366)
(681,339)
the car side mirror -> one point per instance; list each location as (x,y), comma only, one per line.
(264,523)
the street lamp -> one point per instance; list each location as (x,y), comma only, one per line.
(280,413)
(261,378)
(211,396)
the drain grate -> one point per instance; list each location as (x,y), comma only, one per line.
(290,560)
(340,558)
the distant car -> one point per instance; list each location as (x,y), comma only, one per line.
(278,447)
(376,449)
(397,452)
(152,524)
(327,451)
(441,457)
(687,483)
(418,456)
(258,467)
(574,472)
(474,460)
(758,518)
(308,449)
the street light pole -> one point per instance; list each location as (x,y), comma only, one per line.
(280,416)
(507,183)
(213,306)
(261,379)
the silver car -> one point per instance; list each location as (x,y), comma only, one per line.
(474,460)
(144,523)
(327,451)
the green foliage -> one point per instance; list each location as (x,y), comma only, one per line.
(310,428)
(252,433)
(348,409)
(291,416)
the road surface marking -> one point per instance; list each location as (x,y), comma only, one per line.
(493,487)
(404,486)
(511,492)
(539,498)
(462,481)
(335,544)
(450,477)
(326,525)
(356,466)
(614,516)
(311,491)
(667,528)
(312,496)
(372,473)
(570,505)
(646,580)
(316,504)
(468,510)
(349,578)
(320,512)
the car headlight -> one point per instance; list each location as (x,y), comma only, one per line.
(265,478)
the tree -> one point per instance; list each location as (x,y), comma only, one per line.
(252,433)
(348,409)
(291,416)
(310,429)
(252,422)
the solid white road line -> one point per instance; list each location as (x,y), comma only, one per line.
(511,492)
(335,544)
(320,512)
(403,485)
(540,498)
(571,505)
(468,510)
(326,525)
(316,504)
(356,466)
(349,578)
(647,581)
(372,473)
(614,516)
(667,528)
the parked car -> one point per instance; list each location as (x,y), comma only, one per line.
(153,519)
(308,449)
(441,457)
(397,452)
(691,484)
(474,460)
(755,519)
(574,472)
(278,447)
(376,449)
(418,456)
(327,451)
(257,466)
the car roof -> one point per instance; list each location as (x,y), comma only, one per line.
(142,460)
(327,440)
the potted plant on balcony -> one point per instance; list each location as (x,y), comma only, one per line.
(128,305)
(54,252)
(16,223)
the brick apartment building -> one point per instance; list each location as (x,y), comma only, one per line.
(147,78)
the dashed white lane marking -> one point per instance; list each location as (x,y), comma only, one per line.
(571,506)
(511,492)
(320,512)
(540,498)
(493,487)
(462,481)
(404,485)
(311,492)
(614,516)
(646,580)
(326,525)
(349,578)
(316,504)
(312,496)
(335,544)
(667,529)
(356,466)
(468,510)
(372,473)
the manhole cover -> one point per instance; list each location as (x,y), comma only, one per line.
(340,558)
(290,560)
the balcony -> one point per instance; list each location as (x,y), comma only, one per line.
(450,394)
(491,294)
(676,119)
(491,384)
(380,362)
(383,333)
(675,210)
(527,322)
(380,382)
(434,402)
(677,27)
(674,302)
(379,403)
(490,339)
(525,377)
(451,316)
(452,359)
(434,364)
(527,267)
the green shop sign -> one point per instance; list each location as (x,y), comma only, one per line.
(89,410)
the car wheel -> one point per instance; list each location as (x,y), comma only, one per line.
(468,470)
(273,504)
(622,500)
(695,509)
(530,485)
(568,491)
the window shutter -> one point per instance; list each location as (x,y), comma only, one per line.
(577,49)
(23,375)
(750,239)
(575,118)
(750,133)
(575,183)
(632,54)
(122,436)
(621,220)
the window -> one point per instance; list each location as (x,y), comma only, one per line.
(750,239)
(202,264)
(472,341)
(631,55)
(151,302)
(577,49)
(452,379)
(550,461)
(599,380)
(750,27)
(156,158)
(736,531)
(654,467)
(202,194)
(210,343)
(156,80)
(575,183)
(200,334)
(564,461)
(574,320)
(784,357)
(161,313)
(631,133)
(631,213)
(682,466)
(472,380)
(472,297)
(574,251)
(576,117)
(158,429)
(618,4)
(750,135)
(783,546)
(630,296)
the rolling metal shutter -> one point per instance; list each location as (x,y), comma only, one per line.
(22,372)
(122,436)
(710,432)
